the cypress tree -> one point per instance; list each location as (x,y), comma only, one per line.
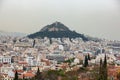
(50,40)
(101,71)
(86,61)
(105,61)
(105,68)
(34,43)
(89,57)
(16,75)
(38,75)
(23,77)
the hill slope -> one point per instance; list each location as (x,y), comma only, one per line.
(57,30)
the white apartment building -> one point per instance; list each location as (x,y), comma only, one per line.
(5,59)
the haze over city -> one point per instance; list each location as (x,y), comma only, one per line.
(98,18)
(59,40)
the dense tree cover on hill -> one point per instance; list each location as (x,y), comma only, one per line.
(58,34)
(57,30)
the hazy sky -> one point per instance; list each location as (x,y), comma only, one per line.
(98,18)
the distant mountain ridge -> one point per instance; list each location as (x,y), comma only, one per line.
(12,34)
(57,30)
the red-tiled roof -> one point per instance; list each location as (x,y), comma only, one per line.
(22,62)
(27,74)
(19,71)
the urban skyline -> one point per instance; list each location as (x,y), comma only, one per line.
(94,18)
(59,40)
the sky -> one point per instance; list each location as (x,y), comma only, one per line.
(97,18)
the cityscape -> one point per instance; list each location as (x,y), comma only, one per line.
(59,40)
(65,58)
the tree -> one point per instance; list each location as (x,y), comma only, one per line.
(16,75)
(14,41)
(105,61)
(34,43)
(103,69)
(50,40)
(89,57)
(100,70)
(118,75)
(38,75)
(1,77)
(85,62)
(54,74)
(51,75)
(69,61)
(24,68)
(71,75)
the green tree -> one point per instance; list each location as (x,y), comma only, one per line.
(89,57)
(71,75)
(1,77)
(94,75)
(118,75)
(103,69)
(38,75)
(51,75)
(16,75)
(69,61)
(34,43)
(50,40)
(54,74)
(85,62)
